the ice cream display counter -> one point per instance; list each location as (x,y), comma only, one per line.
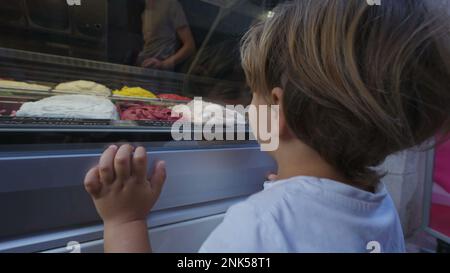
(87,102)
(59,109)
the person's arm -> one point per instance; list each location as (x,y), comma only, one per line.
(130,237)
(123,195)
(187,49)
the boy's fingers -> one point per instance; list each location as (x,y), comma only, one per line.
(106,165)
(92,182)
(122,162)
(158,177)
(139,166)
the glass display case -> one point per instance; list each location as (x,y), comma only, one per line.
(78,75)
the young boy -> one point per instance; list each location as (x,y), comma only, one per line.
(354,83)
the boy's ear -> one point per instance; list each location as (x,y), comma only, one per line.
(277,98)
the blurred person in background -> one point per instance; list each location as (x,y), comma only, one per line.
(168,39)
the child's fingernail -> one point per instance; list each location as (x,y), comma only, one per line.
(112,147)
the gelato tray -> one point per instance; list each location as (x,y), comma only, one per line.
(52,121)
(152,123)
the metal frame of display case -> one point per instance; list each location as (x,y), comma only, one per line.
(54,208)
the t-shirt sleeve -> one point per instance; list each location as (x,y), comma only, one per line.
(178,17)
(240,231)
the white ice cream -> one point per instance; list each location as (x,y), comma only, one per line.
(70,106)
(209,113)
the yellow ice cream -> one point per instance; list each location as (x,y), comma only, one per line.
(134,92)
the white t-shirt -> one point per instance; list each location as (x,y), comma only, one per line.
(309,214)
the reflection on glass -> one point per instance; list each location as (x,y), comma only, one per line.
(167,37)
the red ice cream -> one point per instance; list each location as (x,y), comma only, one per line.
(173,97)
(9,108)
(147,112)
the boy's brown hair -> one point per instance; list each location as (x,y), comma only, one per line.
(360,82)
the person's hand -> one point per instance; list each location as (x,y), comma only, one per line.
(151,63)
(158,64)
(166,65)
(119,185)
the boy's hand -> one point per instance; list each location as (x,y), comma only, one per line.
(119,185)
